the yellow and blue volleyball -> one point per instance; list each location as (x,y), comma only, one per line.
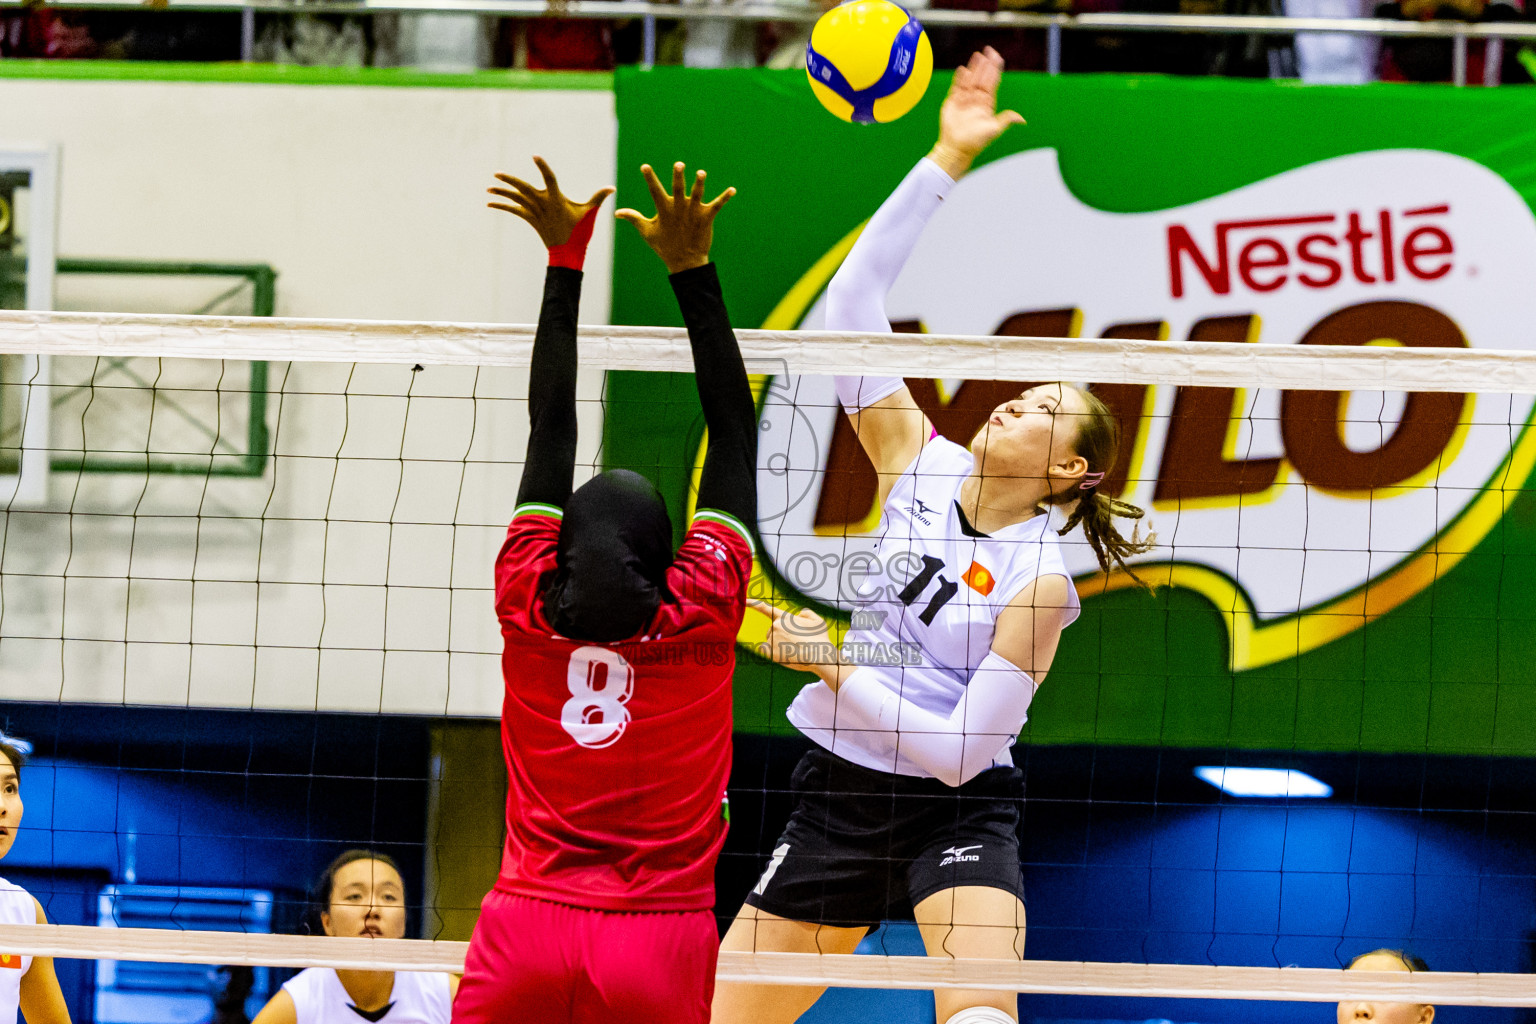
(868,61)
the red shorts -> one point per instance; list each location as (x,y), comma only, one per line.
(533,961)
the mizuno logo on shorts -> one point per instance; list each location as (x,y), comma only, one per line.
(957,855)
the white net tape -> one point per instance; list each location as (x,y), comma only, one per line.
(1309,367)
(1163,981)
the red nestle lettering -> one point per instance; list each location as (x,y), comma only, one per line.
(1412,253)
(1263,262)
(1356,239)
(1247,263)
(1385,220)
(1218,276)
(1305,253)
(1179,243)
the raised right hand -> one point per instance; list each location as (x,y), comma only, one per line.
(969,121)
(684,225)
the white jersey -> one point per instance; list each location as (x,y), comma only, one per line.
(927,612)
(16,907)
(419,997)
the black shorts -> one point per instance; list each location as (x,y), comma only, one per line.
(863,846)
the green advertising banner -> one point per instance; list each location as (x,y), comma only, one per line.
(1334,572)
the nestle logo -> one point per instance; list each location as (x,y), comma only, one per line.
(1314,250)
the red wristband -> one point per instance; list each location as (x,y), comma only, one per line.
(572,253)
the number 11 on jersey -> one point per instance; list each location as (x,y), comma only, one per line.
(920,583)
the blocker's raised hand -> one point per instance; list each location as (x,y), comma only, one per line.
(552,215)
(684,225)
(969,121)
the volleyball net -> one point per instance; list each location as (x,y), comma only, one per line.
(287,528)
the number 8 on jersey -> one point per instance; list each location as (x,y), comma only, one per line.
(601,683)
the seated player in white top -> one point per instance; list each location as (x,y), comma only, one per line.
(27,983)
(1352,1011)
(361,894)
(911,798)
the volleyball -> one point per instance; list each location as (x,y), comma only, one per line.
(868,61)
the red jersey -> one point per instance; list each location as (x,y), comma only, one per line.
(618,754)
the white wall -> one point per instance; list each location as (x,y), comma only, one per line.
(369,201)
(355,573)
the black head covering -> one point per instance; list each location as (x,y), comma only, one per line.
(610,569)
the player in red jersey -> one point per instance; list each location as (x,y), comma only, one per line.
(616,723)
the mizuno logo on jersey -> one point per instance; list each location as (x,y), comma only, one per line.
(958,855)
(917,510)
(979,579)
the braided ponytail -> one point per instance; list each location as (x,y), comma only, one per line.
(1096,514)
(1098,441)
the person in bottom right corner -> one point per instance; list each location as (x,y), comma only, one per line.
(1386,1013)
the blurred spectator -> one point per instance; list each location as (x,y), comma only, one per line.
(166,35)
(1104,51)
(712,43)
(445,42)
(313,40)
(1245,56)
(1327,58)
(1179,53)
(782,44)
(1351,1011)
(553,43)
(1022,49)
(1414,59)
(568,44)
(40,32)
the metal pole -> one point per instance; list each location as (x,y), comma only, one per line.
(648,42)
(1053,48)
(1459,59)
(1493,62)
(247,33)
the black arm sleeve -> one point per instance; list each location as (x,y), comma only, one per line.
(728,482)
(551,461)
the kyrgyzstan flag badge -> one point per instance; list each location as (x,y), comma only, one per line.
(979,579)
(11,960)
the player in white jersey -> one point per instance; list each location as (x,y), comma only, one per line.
(910,798)
(362,894)
(27,983)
